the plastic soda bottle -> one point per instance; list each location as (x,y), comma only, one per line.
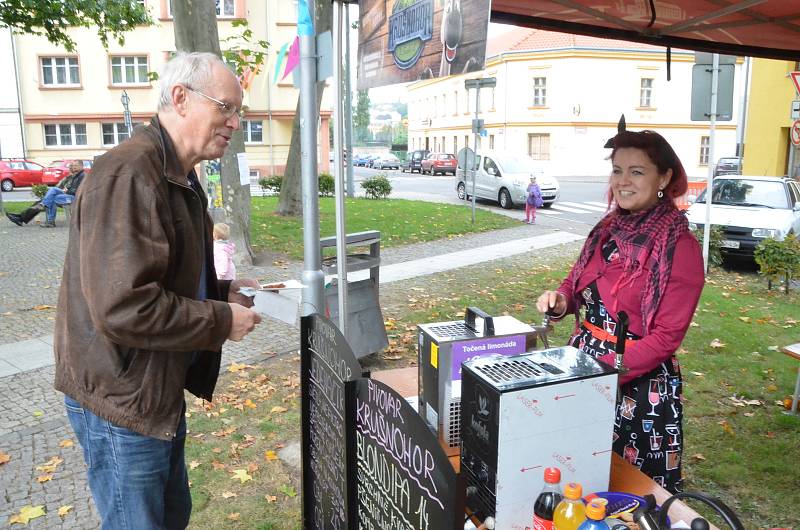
(547,500)
(595,513)
(570,512)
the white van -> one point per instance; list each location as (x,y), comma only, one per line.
(504,177)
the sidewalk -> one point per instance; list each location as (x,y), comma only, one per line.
(32,420)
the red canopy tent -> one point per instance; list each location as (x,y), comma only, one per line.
(757,28)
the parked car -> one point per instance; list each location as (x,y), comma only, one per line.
(371,160)
(439,163)
(386,162)
(504,177)
(749,210)
(59,169)
(359,160)
(729,166)
(414,160)
(18,172)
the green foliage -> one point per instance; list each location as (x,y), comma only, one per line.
(326,185)
(242,51)
(377,187)
(714,244)
(779,259)
(39,190)
(361,116)
(53,19)
(271,184)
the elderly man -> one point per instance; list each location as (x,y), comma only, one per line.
(141,315)
(62,193)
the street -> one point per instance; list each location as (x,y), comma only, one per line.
(581,201)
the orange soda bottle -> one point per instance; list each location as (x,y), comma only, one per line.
(570,512)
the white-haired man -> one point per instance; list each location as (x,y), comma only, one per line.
(141,315)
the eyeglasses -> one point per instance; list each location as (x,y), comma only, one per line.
(226,109)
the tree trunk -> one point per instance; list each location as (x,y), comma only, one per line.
(291,197)
(195,26)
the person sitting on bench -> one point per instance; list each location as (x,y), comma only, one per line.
(58,195)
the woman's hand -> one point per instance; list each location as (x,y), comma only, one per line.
(552,302)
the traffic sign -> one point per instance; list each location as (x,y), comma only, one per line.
(795,112)
(796,80)
(795,132)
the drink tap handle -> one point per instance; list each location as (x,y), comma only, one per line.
(621,336)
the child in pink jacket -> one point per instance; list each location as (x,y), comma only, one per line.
(223,252)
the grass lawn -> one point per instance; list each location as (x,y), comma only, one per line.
(400,222)
(739,447)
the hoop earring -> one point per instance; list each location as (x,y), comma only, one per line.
(660,194)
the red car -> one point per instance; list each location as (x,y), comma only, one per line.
(18,172)
(438,163)
(60,169)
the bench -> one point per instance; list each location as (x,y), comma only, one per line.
(793,350)
(67,210)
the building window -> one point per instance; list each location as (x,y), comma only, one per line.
(60,71)
(539,91)
(129,70)
(64,134)
(444,104)
(114,133)
(491,101)
(539,146)
(455,102)
(646,93)
(455,144)
(467,100)
(253,131)
(705,144)
(466,140)
(491,141)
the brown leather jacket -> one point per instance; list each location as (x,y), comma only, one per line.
(128,317)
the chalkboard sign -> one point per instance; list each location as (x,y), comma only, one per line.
(326,363)
(404,479)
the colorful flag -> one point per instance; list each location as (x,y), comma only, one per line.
(292,58)
(279,61)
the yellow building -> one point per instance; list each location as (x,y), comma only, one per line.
(71,101)
(768,149)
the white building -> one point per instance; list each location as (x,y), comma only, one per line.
(559,97)
(11,140)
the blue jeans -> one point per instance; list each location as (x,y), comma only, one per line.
(137,482)
(52,199)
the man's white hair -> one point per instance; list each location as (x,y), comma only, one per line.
(190,69)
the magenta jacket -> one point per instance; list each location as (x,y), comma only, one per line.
(672,317)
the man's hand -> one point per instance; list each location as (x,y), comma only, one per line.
(244,321)
(235,297)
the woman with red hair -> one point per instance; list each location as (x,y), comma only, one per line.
(642,259)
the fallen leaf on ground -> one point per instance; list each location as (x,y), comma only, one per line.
(64,510)
(252,467)
(66,443)
(4,458)
(716,343)
(43,307)
(26,513)
(726,427)
(217,465)
(37,413)
(233,516)
(236,367)
(270,455)
(271,498)
(699,456)
(241,475)
(44,478)
(229,494)
(278,409)
(194,464)
(746,320)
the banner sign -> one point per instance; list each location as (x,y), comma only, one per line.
(420,39)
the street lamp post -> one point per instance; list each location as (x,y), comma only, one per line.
(477,125)
(127,113)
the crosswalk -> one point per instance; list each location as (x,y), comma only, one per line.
(562,207)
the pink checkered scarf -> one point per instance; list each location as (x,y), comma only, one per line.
(646,242)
